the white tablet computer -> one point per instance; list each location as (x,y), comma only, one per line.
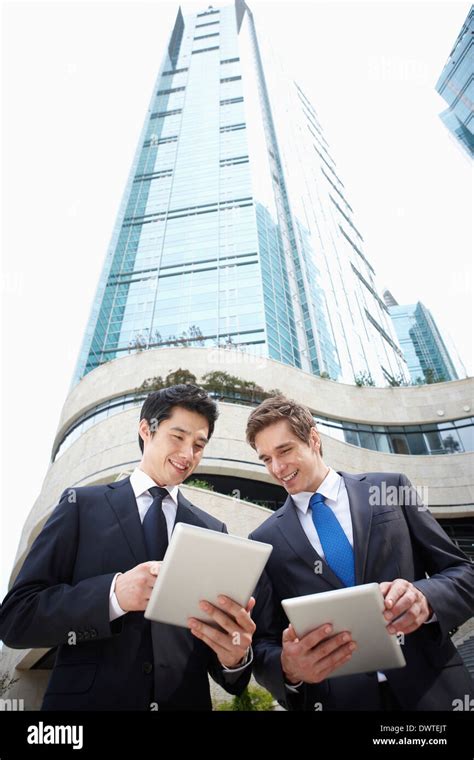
(357,609)
(201,564)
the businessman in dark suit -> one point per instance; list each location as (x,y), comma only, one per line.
(337,530)
(87,579)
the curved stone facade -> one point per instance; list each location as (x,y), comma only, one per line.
(110,447)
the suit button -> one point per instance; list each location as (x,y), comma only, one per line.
(147,667)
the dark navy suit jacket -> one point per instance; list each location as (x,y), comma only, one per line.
(63,588)
(392,541)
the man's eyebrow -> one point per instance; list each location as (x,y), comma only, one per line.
(188,432)
(280,446)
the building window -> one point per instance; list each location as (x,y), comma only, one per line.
(232,127)
(369,288)
(170,72)
(173,89)
(383,333)
(205,50)
(346,217)
(335,188)
(153,175)
(229,101)
(234,160)
(155,140)
(356,249)
(206,36)
(164,114)
(207,13)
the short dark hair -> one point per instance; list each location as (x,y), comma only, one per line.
(279,408)
(159,405)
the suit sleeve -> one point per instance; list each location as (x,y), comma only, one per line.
(271,622)
(449,588)
(44,608)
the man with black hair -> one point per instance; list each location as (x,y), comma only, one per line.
(87,579)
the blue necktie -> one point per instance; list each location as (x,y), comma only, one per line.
(336,547)
(154,525)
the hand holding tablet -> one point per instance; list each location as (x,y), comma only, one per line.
(358,610)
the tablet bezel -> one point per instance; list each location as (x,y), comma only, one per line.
(201,564)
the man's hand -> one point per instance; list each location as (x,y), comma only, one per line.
(405,606)
(133,589)
(232,643)
(314,657)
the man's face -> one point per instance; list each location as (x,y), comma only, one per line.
(176,448)
(291,461)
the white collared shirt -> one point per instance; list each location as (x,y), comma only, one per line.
(140,483)
(335,495)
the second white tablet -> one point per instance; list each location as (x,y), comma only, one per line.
(357,609)
(201,564)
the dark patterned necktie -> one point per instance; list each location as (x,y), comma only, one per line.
(154,525)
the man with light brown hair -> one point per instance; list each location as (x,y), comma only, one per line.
(331,533)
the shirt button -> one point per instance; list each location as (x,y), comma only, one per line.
(147,667)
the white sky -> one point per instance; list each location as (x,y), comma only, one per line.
(77,80)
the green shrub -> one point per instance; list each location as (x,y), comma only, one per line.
(252,698)
(199,484)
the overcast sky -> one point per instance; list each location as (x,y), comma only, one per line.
(77,80)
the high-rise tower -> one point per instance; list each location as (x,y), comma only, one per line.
(235,228)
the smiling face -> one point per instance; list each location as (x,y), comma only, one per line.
(296,465)
(175,449)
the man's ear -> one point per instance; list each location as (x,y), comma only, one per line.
(315,440)
(144,430)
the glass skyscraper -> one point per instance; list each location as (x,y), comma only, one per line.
(235,228)
(456,86)
(420,339)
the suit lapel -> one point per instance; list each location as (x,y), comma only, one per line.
(186,514)
(121,498)
(361,514)
(293,532)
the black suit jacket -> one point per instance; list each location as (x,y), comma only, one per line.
(395,540)
(61,595)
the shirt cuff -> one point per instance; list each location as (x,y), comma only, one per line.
(293,687)
(115,610)
(245,662)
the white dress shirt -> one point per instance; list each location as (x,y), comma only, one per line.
(140,483)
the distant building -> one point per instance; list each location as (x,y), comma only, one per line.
(456,86)
(425,351)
